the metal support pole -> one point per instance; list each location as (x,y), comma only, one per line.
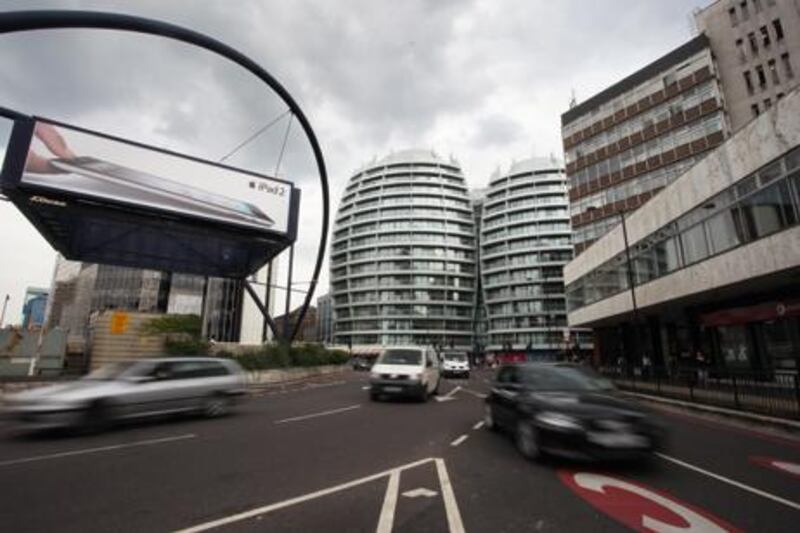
(265,325)
(5,306)
(286,331)
(261,307)
(630,284)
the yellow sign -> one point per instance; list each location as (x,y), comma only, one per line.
(119,322)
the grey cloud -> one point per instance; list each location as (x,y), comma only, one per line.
(497,130)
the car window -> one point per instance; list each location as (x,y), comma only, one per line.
(198,369)
(565,378)
(394,356)
(162,371)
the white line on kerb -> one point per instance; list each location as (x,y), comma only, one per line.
(748,488)
(315,415)
(311,496)
(479,425)
(149,442)
(450,504)
(386,520)
(459,440)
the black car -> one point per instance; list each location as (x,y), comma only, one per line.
(361,363)
(568,410)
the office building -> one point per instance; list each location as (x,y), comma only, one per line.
(325,319)
(34,306)
(714,261)
(525,241)
(403,254)
(628,142)
(756,45)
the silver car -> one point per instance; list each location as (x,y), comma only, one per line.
(132,389)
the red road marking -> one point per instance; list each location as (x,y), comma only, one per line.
(785,467)
(640,507)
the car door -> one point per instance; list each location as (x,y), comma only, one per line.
(161,391)
(504,394)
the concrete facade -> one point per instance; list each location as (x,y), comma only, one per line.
(756,45)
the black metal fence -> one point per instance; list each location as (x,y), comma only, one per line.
(770,393)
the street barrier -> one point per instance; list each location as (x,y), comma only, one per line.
(770,393)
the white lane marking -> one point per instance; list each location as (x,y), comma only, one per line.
(452,392)
(315,415)
(441,399)
(479,425)
(729,481)
(366,387)
(421,491)
(450,503)
(71,453)
(300,499)
(386,520)
(459,440)
(474,393)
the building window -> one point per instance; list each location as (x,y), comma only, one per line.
(744,9)
(776,24)
(787,65)
(765,37)
(754,109)
(748,80)
(779,96)
(762,78)
(740,49)
(767,103)
(751,37)
(773,69)
(732,13)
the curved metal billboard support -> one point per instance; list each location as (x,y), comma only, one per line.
(19,21)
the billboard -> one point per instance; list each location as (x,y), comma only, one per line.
(103,199)
(66,160)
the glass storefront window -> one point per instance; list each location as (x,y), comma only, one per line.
(734,346)
(781,342)
(723,231)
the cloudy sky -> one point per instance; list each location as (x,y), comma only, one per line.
(482,80)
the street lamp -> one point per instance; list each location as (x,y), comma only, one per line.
(621,214)
(5,306)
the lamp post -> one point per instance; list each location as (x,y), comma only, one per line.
(629,268)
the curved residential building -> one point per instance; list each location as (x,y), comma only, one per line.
(403,254)
(525,242)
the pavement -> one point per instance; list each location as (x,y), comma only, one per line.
(320,456)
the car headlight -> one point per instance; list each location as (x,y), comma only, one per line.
(414,377)
(558,420)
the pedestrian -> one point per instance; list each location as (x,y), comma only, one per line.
(647,365)
(702,366)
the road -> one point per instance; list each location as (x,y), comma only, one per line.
(322,457)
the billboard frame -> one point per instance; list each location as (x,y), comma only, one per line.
(21,21)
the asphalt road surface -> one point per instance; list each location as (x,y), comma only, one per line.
(322,457)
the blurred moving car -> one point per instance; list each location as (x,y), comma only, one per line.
(568,410)
(361,363)
(405,371)
(132,389)
(455,364)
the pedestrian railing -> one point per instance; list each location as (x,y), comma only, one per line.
(770,393)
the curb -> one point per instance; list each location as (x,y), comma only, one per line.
(785,423)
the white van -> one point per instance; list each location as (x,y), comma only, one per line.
(405,371)
(455,364)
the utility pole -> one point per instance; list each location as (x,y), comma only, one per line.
(5,306)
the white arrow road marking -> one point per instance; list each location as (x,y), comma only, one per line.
(421,491)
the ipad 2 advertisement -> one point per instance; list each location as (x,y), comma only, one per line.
(64,159)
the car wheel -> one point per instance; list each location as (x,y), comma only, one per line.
(217,405)
(527,440)
(488,418)
(374,396)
